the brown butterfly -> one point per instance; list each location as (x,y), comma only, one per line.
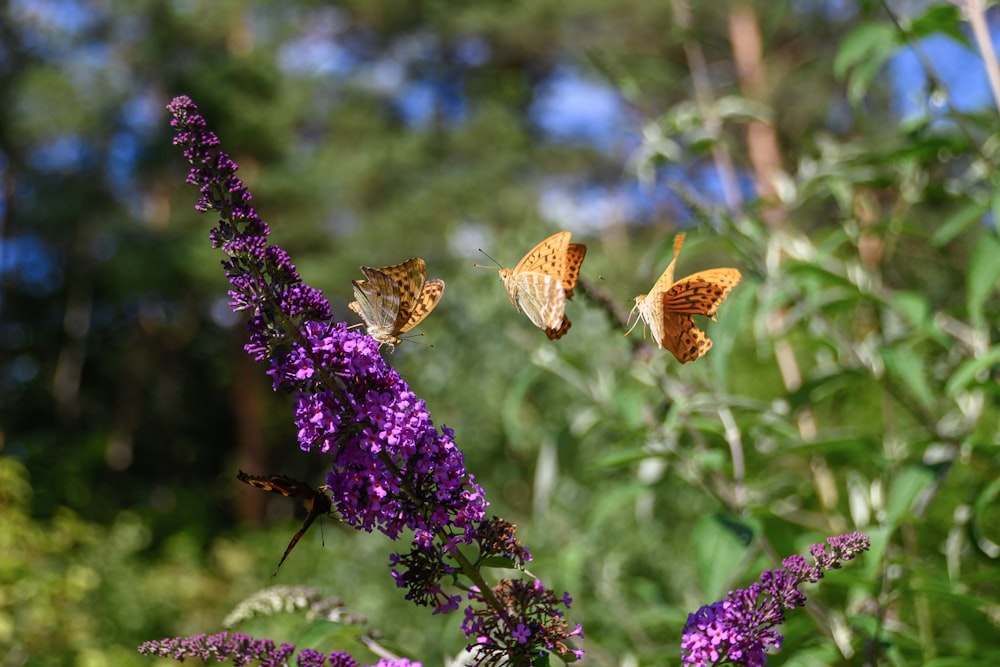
(542,281)
(317,502)
(394,299)
(669,307)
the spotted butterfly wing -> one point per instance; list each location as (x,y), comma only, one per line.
(542,281)
(575,252)
(317,502)
(668,308)
(394,299)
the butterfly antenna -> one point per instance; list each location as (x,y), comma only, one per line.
(489,257)
(616,285)
(419,335)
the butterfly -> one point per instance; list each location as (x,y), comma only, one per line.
(542,281)
(669,307)
(317,502)
(394,299)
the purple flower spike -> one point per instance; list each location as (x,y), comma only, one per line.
(240,648)
(740,629)
(392,469)
(530,625)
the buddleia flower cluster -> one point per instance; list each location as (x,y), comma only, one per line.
(392,469)
(245,650)
(741,628)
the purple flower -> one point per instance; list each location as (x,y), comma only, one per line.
(244,650)
(740,629)
(529,625)
(392,469)
(240,648)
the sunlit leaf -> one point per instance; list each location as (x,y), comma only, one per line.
(983,276)
(719,544)
(969,369)
(905,487)
(986,520)
(862,54)
(908,368)
(958,222)
(942,18)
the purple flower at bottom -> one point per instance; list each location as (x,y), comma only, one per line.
(741,628)
(245,650)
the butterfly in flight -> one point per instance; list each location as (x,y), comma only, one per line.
(542,281)
(669,307)
(317,502)
(394,299)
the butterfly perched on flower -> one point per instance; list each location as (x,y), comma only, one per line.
(394,299)
(542,281)
(670,305)
(317,502)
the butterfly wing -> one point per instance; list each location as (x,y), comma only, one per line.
(555,333)
(666,279)
(669,306)
(575,252)
(682,338)
(701,293)
(540,297)
(650,306)
(377,300)
(318,503)
(425,303)
(674,331)
(548,257)
(540,283)
(394,299)
(278,484)
(409,278)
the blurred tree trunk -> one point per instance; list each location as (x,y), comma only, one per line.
(249,410)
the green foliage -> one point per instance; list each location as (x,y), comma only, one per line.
(74,592)
(853,382)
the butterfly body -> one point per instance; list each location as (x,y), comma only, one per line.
(394,299)
(542,281)
(317,502)
(669,307)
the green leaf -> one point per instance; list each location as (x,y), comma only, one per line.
(862,54)
(969,369)
(859,45)
(957,661)
(720,543)
(913,307)
(983,276)
(498,562)
(906,486)
(986,520)
(908,367)
(940,19)
(541,660)
(957,223)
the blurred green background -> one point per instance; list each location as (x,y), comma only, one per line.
(853,384)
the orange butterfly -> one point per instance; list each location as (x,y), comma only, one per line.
(316,501)
(542,281)
(669,307)
(394,299)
